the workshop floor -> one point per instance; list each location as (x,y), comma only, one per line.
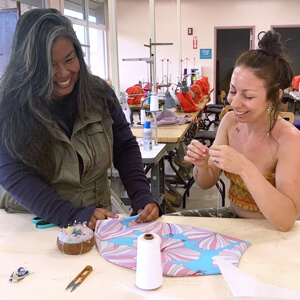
(199,198)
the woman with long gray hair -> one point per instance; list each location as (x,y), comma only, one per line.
(61,129)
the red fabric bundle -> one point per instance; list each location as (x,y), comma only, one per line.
(198,97)
(295,82)
(186,102)
(134,90)
(204,85)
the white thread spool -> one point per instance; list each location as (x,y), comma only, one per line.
(154,103)
(148,262)
(143,116)
(127,114)
(165,80)
(173,94)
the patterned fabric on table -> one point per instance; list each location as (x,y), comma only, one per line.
(185,250)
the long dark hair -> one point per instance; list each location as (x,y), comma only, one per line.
(270,64)
(26,87)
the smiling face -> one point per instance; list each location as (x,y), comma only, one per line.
(248,96)
(65,68)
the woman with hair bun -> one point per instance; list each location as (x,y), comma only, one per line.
(255,147)
(61,129)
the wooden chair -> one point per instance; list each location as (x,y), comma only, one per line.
(208,136)
(212,110)
(289,116)
(284,107)
(226,109)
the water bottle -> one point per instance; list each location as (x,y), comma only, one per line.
(147,137)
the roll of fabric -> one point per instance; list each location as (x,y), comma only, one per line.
(148,262)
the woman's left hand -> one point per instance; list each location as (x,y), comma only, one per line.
(228,159)
(149,213)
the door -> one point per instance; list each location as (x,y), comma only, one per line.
(290,37)
(230,42)
(8,21)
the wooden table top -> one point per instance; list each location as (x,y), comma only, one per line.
(173,133)
(273,258)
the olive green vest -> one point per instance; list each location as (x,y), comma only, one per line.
(92,139)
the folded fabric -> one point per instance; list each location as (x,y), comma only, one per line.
(204,85)
(198,97)
(186,102)
(185,250)
(168,117)
(148,87)
(135,94)
(295,82)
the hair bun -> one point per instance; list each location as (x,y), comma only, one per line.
(270,44)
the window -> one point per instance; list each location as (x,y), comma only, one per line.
(74,8)
(24,4)
(96,12)
(91,31)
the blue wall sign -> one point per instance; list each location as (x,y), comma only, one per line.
(205,53)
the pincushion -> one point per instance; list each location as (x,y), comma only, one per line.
(75,239)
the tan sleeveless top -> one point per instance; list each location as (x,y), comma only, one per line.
(239,194)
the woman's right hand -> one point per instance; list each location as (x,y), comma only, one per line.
(197,154)
(100,214)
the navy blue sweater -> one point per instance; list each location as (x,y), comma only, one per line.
(39,198)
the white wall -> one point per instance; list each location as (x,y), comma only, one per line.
(202,15)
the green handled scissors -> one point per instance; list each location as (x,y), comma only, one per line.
(41,224)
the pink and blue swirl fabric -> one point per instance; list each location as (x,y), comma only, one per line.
(185,250)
